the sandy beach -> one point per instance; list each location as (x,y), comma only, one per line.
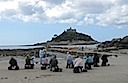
(117,72)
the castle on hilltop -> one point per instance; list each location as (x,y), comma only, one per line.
(71,30)
(71,36)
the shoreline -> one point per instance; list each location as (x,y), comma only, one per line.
(71,49)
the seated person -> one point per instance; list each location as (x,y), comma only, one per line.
(96,60)
(32,59)
(69,62)
(28,64)
(28,61)
(44,63)
(13,64)
(53,63)
(78,65)
(104,59)
(88,62)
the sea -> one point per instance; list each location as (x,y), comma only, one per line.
(29,47)
(19,47)
(77,46)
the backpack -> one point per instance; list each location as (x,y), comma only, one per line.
(57,69)
(76,70)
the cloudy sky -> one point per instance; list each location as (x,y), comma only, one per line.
(35,21)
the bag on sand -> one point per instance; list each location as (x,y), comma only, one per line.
(43,67)
(76,70)
(57,70)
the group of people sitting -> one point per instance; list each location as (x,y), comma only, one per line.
(78,64)
(29,62)
(51,64)
(83,64)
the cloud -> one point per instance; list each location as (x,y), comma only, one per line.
(89,19)
(114,16)
(55,2)
(79,12)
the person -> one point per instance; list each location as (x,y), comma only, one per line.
(82,48)
(104,60)
(85,57)
(28,60)
(41,54)
(33,57)
(44,60)
(28,64)
(44,63)
(69,62)
(96,60)
(53,63)
(78,65)
(13,64)
(88,62)
(68,54)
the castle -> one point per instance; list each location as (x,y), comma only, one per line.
(71,30)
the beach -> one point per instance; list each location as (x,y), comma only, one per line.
(117,72)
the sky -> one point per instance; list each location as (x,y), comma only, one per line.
(25,22)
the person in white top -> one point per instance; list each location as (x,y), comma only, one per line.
(33,57)
(78,63)
(41,54)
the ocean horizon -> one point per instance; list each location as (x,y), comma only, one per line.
(19,47)
(30,47)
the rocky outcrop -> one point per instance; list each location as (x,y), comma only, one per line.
(118,43)
(70,36)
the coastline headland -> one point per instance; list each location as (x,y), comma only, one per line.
(73,49)
(18,50)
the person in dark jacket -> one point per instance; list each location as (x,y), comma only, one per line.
(53,63)
(96,60)
(28,60)
(28,64)
(13,64)
(104,60)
